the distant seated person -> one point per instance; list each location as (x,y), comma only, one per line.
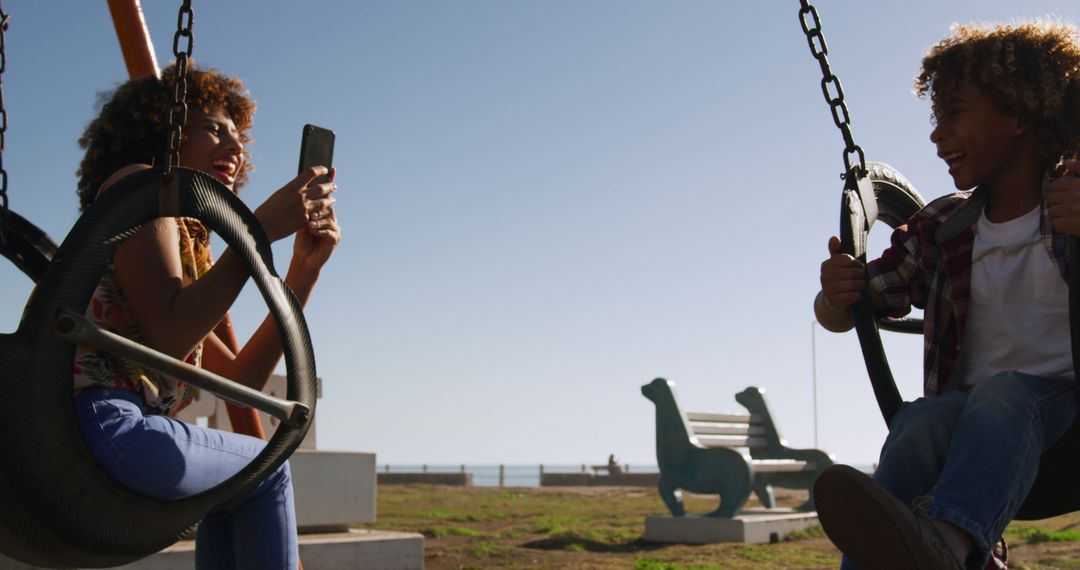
(613,467)
(163,290)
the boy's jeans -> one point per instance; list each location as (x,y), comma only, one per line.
(976,453)
(167,459)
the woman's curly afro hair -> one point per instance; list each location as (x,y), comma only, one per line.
(132,126)
(1032,70)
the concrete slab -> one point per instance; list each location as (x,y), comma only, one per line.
(357,548)
(750,526)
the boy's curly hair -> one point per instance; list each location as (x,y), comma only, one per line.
(132,126)
(1031,69)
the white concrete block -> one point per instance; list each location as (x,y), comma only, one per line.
(333,490)
(750,526)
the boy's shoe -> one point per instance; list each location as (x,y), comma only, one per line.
(873,528)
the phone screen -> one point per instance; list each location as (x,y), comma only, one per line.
(316,149)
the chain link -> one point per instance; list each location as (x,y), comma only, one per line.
(179,111)
(3,121)
(830,86)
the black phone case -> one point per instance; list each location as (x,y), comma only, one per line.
(316,148)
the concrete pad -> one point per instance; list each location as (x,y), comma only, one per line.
(357,548)
(363,549)
(750,526)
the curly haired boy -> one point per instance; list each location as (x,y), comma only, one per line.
(987,265)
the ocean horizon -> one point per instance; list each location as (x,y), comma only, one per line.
(519,475)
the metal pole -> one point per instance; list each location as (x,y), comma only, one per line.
(134,38)
(813,366)
(76,329)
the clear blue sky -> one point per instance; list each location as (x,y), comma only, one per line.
(545,204)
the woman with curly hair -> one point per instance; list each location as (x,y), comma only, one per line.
(988,266)
(162,290)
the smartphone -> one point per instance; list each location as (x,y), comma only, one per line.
(316,149)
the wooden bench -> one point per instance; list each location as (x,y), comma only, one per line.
(730,455)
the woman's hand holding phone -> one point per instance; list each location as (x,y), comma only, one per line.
(315,245)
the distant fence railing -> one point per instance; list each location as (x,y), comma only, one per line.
(507,475)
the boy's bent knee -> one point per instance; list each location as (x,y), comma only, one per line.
(922,430)
(929,418)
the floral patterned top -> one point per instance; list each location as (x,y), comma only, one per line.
(109,310)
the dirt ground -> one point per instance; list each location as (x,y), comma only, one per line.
(603,527)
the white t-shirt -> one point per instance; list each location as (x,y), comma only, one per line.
(1018,314)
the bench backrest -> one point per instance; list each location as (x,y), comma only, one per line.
(728,430)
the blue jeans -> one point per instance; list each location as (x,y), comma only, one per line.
(165,458)
(975,453)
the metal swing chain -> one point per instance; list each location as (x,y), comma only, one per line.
(179,111)
(830,84)
(3,123)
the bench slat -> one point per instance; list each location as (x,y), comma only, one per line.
(728,430)
(782,466)
(732,441)
(722,418)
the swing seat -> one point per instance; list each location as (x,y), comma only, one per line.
(25,245)
(886,195)
(60,509)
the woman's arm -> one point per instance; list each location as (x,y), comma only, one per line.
(176,314)
(259,356)
(257,359)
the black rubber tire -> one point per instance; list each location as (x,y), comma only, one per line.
(897,200)
(25,245)
(1054,492)
(60,509)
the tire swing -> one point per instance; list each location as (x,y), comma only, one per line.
(874,191)
(1054,491)
(60,508)
(21,242)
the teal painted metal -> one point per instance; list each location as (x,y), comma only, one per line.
(686,465)
(754,401)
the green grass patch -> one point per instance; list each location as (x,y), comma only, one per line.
(1034,535)
(811,532)
(441,531)
(648,564)
(512,534)
(485,549)
(557,524)
(437,514)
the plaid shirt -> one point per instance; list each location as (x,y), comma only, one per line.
(928,266)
